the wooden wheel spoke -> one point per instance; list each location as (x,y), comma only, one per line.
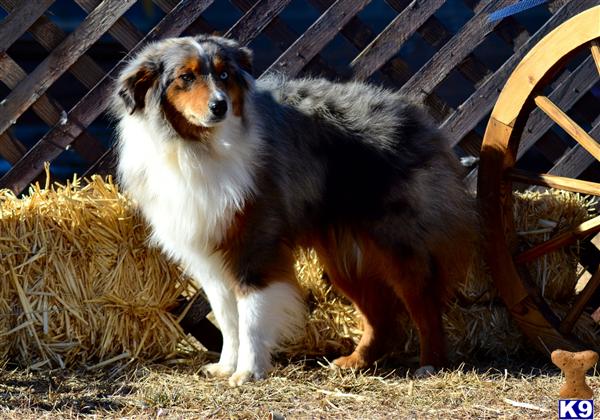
(559,241)
(582,299)
(553,181)
(567,124)
(596,53)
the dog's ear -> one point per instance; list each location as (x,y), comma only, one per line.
(244,59)
(134,84)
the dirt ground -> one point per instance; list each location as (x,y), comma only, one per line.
(297,389)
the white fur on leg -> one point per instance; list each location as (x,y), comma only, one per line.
(267,318)
(224,306)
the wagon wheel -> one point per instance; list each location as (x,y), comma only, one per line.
(523,93)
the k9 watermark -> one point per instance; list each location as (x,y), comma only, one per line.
(575,409)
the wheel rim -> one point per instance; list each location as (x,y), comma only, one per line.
(499,154)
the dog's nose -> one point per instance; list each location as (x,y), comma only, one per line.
(218,107)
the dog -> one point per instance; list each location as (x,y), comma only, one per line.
(233,174)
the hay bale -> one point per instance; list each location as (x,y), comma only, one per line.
(79,284)
(540,216)
(476,323)
(334,324)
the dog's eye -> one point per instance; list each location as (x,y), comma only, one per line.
(224,75)
(187,77)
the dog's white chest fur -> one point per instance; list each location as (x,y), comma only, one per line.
(189,193)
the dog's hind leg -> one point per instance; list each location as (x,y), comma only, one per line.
(377,302)
(378,305)
(415,282)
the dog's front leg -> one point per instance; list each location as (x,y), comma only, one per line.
(223,304)
(267,316)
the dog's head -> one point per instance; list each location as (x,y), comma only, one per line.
(198,82)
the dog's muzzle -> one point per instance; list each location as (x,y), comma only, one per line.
(218,107)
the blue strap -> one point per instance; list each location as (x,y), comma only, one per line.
(514,9)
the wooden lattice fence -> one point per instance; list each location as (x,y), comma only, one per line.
(378,56)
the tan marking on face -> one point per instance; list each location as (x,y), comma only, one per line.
(186,103)
(190,98)
(236,93)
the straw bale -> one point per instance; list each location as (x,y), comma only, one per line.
(476,322)
(540,216)
(334,324)
(79,284)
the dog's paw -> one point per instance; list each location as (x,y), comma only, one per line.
(241,377)
(353,361)
(424,372)
(217,370)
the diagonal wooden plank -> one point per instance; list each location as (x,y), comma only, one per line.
(63,56)
(316,37)
(566,123)
(123,31)
(360,35)
(354,31)
(577,159)
(256,19)
(276,30)
(49,36)
(566,94)
(391,39)
(47,109)
(283,36)
(94,102)
(481,102)
(11,149)
(435,33)
(19,20)
(453,52)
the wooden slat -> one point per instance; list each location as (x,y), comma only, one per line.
(283,36)
(553,181)
(123,31)
(581,301)
(566,94)
(512,32)
(360,35)
(595,48)
(567,124)
(95,102)
(48,110)
(63,56)
(436,34)
(316,37)
(391,39)
(453,52)
(559,241)
(575,161)
(11,149)
(49,36)
(256,19)
(354,31)
(19,20)
(481,102)
(105,165)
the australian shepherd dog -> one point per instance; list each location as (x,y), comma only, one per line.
(233,174)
